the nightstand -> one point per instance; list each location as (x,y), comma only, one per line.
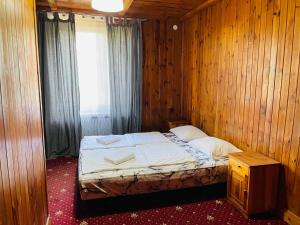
(173,124)
(252,183)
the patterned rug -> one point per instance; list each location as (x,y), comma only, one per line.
(186,207)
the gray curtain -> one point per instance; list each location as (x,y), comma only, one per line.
(125,59)
(60,89)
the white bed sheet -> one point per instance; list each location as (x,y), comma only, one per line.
(91,143)
(126,140)
(146,156)
(147,138)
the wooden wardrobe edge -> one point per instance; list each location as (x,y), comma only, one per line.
(291,218)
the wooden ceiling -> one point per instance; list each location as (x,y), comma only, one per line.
(162,8)
(133,8)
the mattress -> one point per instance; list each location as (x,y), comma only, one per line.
(126,140)
(140,180)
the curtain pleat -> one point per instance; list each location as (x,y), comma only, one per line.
(125,59)
(60,88)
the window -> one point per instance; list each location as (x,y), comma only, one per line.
(93,66)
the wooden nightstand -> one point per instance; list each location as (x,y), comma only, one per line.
(173,124)
(252,182)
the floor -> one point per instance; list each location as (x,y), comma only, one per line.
(64,201)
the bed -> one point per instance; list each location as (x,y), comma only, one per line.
(184,173)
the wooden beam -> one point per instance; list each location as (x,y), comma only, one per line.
(80,8)
(52,4)
(127,4)
(199,8)
(90,12)
(78,11)
(72,8)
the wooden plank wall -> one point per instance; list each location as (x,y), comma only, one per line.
(23,198)
(242,81)
(162,73)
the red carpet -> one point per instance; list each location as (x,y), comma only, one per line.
(61,196)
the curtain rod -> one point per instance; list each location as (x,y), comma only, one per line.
(92,14)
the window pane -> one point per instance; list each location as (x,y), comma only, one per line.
(93,67)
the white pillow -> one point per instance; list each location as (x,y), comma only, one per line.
(215,148)
(188,133)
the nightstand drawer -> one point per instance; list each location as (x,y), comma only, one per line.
(238,167)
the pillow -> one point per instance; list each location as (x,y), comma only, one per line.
(188,133)
(215,148)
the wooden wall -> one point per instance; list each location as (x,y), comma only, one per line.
(162,73)
(22,167)
(242,81)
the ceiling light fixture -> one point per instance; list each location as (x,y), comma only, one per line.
(108,5)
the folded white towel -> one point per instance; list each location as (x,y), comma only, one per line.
(118,158)
(107,140)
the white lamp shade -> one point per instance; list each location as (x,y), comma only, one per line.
(108,5)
